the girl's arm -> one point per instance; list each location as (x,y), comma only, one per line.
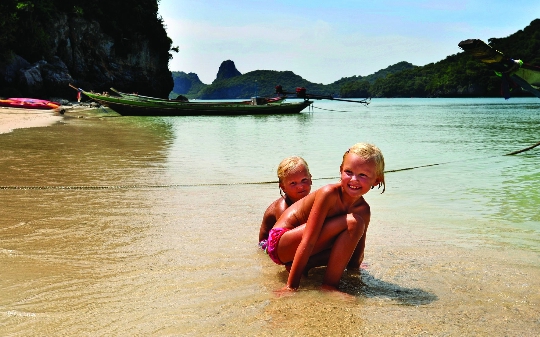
(324,199)
(270,217)
(268,221)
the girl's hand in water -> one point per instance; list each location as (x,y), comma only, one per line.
(285,291)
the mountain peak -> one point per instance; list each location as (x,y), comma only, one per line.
(227,70)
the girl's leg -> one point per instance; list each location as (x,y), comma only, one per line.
(316,260)
(342,249)
(331,230)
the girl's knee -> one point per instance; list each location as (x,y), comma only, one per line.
(355,224)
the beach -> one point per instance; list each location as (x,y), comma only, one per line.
(18,118)
(126,226)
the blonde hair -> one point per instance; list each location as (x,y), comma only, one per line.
(290,165)
(368,151)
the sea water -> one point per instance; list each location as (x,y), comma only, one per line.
(122,226)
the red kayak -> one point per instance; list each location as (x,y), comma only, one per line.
(28,103)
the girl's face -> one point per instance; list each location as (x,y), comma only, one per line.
(358,175)
(296,185)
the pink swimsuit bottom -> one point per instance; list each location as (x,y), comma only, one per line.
(273,239)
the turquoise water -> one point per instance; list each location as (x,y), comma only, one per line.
(125,226)
(467,137)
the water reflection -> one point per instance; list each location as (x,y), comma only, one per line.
(94,151)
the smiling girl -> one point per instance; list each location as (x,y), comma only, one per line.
(333,217)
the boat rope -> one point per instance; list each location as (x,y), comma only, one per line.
(523,150)
(124,187)
(316,107)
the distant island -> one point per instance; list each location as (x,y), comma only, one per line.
(458,75)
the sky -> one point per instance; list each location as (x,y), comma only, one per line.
(324,41)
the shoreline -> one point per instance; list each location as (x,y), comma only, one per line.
(21,118)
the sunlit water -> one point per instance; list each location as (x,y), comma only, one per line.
(124,226)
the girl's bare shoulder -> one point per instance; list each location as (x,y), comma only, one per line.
(277,208)
(330,189)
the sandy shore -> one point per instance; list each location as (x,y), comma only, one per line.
(17,118)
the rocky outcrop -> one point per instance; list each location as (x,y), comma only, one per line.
(227,70)
(186,83)
(88,58)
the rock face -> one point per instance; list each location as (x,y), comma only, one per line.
(87,58)
(184,83)
(227,70)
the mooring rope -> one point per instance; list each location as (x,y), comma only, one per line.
(118,187)
(523,150)
(316,107)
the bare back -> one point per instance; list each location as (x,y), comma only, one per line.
(271,215)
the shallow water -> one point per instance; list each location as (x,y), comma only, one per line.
(148,226)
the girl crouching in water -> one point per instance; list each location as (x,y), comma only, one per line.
(316,222)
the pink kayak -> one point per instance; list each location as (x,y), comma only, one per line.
(28,103)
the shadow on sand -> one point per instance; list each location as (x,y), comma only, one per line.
(363,284)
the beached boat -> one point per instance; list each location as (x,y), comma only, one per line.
(260,100)
(149,106)
(28,103)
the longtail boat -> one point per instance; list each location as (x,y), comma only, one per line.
(261,100)
(135,105)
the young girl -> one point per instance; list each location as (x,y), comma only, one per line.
(294,184)
(334,217)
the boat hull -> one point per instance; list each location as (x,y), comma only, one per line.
(127,107)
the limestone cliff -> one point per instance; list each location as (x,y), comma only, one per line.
(227,70)
(81,53)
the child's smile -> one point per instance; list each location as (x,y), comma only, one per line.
(357,175)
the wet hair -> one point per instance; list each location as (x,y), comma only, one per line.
(369,152)
(290,165)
